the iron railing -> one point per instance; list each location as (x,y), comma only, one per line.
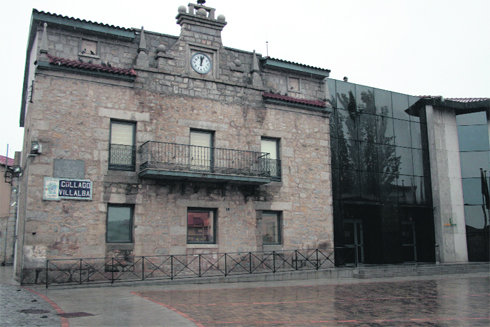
(171,267)
(184,157)
(122,157)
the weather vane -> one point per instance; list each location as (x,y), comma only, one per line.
(201,2)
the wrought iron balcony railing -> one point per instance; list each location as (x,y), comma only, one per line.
(172,160)
(122,157)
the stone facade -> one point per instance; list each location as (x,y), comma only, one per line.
(145,78)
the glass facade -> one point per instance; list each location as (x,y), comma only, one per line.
(380,176)
(474,147)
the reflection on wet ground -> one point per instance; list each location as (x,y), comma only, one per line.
(458,301)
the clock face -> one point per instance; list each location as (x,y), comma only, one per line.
(201,63)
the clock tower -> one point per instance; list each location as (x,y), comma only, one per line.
(200,36)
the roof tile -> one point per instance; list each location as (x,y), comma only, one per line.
(314,103)
(94,67)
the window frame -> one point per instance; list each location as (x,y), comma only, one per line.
(132,166)
(131,223)
(215,222)
(211,149)
(279,222)
(277,140)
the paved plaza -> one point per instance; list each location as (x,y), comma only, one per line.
(441,300)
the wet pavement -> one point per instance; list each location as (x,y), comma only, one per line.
(441,300)
(21,307)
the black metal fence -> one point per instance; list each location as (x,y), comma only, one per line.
(184,157)
(171,267)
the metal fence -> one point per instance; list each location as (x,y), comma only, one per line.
(171,267)
(184,157)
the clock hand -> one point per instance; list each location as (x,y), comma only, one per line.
(202,58)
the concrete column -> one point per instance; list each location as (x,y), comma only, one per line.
(447,189)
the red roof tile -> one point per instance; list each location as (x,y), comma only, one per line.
(4,159)
(88,66)
(314,103)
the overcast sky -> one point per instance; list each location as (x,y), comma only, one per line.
(418,47)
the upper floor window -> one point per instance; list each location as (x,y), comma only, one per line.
(122,154)
(201,149)
(271,146)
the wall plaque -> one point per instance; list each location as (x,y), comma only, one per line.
(67,189)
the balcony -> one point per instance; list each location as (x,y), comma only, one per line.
(163,160)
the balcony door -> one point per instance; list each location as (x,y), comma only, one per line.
(201,150)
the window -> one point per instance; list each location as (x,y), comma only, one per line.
(119,223)
(201,226)
(88,47)
(271,146)
(201,149)
(271,227)
(121,148)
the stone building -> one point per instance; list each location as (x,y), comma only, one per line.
(8,191)
(141,143)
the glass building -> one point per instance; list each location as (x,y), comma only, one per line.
(380,177)
(474,145)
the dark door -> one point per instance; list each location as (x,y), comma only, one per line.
(354,240)
(408,240)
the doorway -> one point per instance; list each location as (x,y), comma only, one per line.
(354,240)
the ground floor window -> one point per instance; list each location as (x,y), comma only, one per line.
(271,227)
(201,226)
(119,223)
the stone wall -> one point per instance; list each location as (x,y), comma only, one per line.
(70,116)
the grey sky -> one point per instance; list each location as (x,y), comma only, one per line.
(418,47)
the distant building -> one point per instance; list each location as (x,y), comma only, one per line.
(140,143)
(8,189)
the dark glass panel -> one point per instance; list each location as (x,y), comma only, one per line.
(388,188)
(472,191)
(418,162)
(334,123)
(349,184)
(406,189)
(473,138)
(382,99)
(475,118)
(471,162)
(411,101)
(331,84)
(416,135)
(419,190)
(369,186)
(354,156)
(474,216)
(345,154)
(346,96)
(367,128)
(405,155)
(385,133)
(388,161)
(365,99)
(334,152)
(368,156)
(347,125)
(402,133)
(335,183)
(400,104)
